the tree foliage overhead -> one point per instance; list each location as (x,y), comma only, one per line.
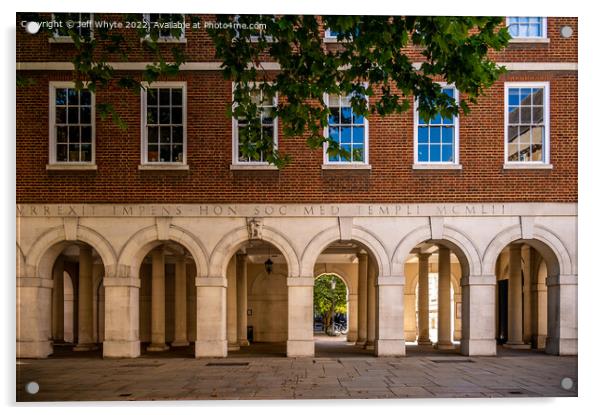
(374,62)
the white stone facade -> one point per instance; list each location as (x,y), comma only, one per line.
(123,235)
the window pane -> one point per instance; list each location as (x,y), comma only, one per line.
(164,96)
(537,115)
(358,134)
(163,115)
(165,134)
(73,152)
(525,115)
(61,115)
(525,96)
(86,152)
(513,96)
(72,115)
(61,134)
(177,134)
(178,153)
(61,152)
(153,135)
(513,115)
(358,119)
(85,97)
(333,118)
(61,96)
(72,97)
(176,96)
(447,153)
(152,115)
(448,120)
(537,135)
(513,152)
(333,132)
(73,135)
(435,135)
(165,153)
(512,134)
(524,135)
(176,115)
(423,152)
(85,116)
(345,134)
(346,115)
(537,96)
(347,152)
(358,152)
(448,135)
(151,96)
(435,154)
(436,119)
(423,134)
(268,132)
(86,134)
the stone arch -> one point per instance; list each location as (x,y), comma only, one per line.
(333,269)
(231,242)
(358,234)
(549,246)
(339,276)
(455,240)
(43,253)
(143,241)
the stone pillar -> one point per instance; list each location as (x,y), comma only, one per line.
(362,309)
(180,315)
(34,306)
(390,332)
(85,322)
(515,299)
(158,302)
(409,316)
(122,311)
(527,258)
(539,302)
(371,303)
(478,315)
(457,320)
(241,298)
(300,317)
(211,317)
(352,318)
(444,300)
(231,312)
(423,299)
(97,326)
(562,315)
(58,301)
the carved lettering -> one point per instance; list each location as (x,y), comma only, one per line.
(309,210)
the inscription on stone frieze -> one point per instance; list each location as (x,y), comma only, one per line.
(263,210)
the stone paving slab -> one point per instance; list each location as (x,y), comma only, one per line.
(182,378)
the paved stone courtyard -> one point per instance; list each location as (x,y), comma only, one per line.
(338,371)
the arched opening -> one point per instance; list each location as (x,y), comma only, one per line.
(331,307)
(521,269)
(356,267)
(433,297)
(76,307)
(167,300)
(257,300)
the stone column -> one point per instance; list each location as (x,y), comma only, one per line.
(352,318)
(34,307)
(300,317)
(527,258)
(85,325)
(362,319)
(539,320)
(562,315)
(122,311)
(409,316)
(390,331)
(181,321)
(371,303)
(457,321)
(211,317)
(444,300)
(58,301)
(478,315)
(158,302)
(97,326)
(231,312)
(515,299)
(423,299)
(241,298)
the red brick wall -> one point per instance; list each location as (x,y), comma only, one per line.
(210,179)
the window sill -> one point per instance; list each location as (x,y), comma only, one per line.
(527,166)
(349,166)
(530,40)
(163,167)
(434,166)
(165,40)
(71,166)
(253,167)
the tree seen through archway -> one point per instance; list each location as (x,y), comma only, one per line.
(330,301)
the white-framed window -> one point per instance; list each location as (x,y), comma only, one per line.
(527,27)
(163,21)
(350,130)
(163,126)
(330,35)
(269,129)
(527,123)
(436,141)
(71,125)
(80,23)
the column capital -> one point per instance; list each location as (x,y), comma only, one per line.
(561,280)
(391,280)
(35,282)
(300,281)
(211,281)
(121,282)
(423,256)
(478,280)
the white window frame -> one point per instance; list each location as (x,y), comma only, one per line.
(523,39)
(545,162)
(144,163)
(67,39)
(456,118)
(236,163)
(326,163)
(165,39)
(52,162)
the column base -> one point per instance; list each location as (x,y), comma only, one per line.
(361,343)
(369,345)
(34,349)
(351,337)
(444,345)
(478,347)
(232,347)
(85,347)
(210,348)
(539,342)
(180,343)
(390,348)
(517,345)
(425,342)
(121,348)
(300,348)
(157,347)
(243,343)
(560,347)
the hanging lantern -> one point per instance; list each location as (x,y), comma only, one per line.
(269,266)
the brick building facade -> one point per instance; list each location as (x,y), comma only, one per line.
(123,233)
